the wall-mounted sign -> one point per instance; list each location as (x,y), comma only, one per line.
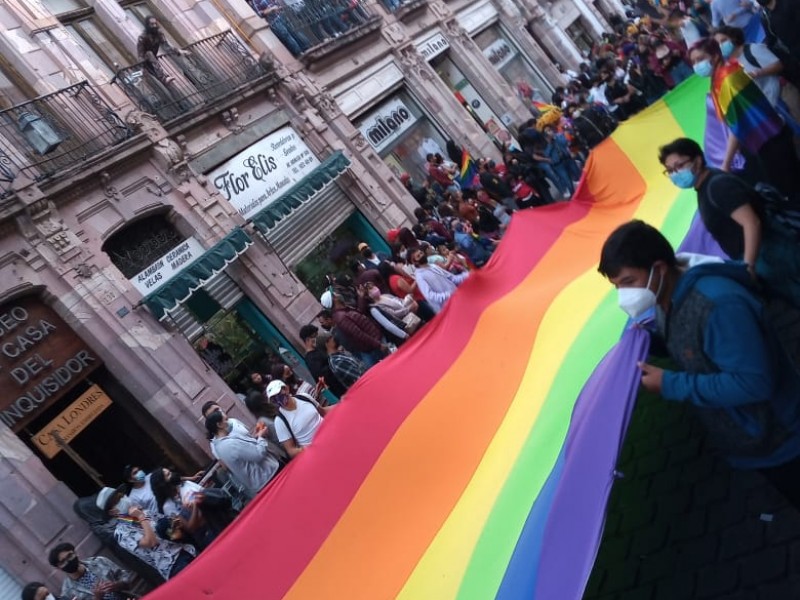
(72,420)
(174,261)
(499,53)
(433,45)
(264,171)
(386,124)
(41,359)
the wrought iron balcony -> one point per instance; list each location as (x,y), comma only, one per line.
(311,29)
(54,133)
(403,7)
(183,81)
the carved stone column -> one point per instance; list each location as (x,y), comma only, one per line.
(515,19)
(377,193)
(548,33)
(437,99)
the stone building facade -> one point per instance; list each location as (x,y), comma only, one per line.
(165,230)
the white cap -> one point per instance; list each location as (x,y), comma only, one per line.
(103,496)
(326,299)
(274,387)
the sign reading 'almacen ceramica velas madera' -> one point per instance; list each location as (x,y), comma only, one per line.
(41,359)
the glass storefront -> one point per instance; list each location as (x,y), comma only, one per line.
(469,98)
(523,77)
(402,135)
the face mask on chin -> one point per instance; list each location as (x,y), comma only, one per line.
(636,301)
(49,597)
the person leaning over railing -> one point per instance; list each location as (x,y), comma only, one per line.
(149,43)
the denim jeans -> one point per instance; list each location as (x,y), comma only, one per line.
(294,41)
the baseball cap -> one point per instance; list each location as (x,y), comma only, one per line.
(275,386)
(326,299)
(362,245)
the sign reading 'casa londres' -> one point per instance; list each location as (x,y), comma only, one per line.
(41,359)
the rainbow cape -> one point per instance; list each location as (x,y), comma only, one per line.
(476,462)
(741,104)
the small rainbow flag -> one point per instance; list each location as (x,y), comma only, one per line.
(468,170)
(741,104)
(476,462)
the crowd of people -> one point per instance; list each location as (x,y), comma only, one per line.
(727,328)
(730,361)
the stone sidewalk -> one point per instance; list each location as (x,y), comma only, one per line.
(683,525)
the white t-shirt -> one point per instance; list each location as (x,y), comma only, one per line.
(187,490)
(143,498)
(304,421)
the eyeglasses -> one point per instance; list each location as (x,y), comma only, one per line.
(678,167)
(65,560)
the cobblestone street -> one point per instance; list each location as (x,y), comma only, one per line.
(682,524)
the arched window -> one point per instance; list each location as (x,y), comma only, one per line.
(138,245)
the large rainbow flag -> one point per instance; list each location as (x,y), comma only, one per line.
(477,461)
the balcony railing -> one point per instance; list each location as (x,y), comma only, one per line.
(402,7)
(185,80)
(311,28)
(53,133)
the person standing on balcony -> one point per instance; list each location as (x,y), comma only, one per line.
(273,14)
(149,43)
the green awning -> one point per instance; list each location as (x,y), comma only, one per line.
(302,191)
(180,287)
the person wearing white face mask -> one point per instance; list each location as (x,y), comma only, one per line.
(38,591)
(737,217)
(134,532)
(730,368)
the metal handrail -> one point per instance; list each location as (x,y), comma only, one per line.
(307,26)
(182,81)
(53,133)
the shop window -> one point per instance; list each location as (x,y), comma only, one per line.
(403,135)
(141,243)
(504,56)
(337,252)
(579,34)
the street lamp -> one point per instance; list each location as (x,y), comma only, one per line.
(38,133)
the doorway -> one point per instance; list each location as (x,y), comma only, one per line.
(119,434)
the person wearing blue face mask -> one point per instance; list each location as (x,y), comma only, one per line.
(756,59)
(728,366)
(734,215)
(139,490)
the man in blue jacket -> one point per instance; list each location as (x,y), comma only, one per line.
(730,366)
